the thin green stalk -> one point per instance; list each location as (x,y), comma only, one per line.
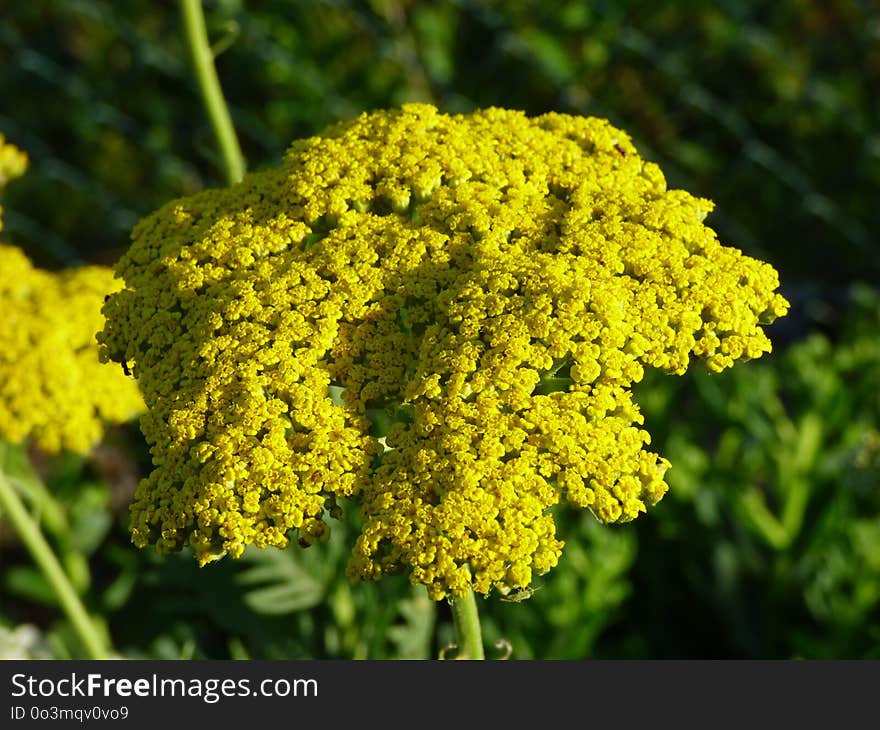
(209,85)
(16,513)
(467,627)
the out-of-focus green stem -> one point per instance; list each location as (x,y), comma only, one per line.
(212,93)
(467,627)
(764,521)
(16,513)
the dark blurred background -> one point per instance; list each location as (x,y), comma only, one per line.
(768,544)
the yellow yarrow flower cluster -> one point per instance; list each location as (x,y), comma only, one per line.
(437,316)
(54,390)
(13,163)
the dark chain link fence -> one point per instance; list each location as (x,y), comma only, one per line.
(771,111)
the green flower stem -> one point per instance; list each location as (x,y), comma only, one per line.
(15,511)
(467,627)
(209,84)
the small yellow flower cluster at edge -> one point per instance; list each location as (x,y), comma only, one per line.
(13,161)
(54,391)
(489,284)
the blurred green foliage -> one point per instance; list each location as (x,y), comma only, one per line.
(776,469)
(768,544)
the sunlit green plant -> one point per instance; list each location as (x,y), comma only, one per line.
(55,394)
(434,319)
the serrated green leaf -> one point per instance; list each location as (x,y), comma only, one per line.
(412,638)
(90,518)
(277,583)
